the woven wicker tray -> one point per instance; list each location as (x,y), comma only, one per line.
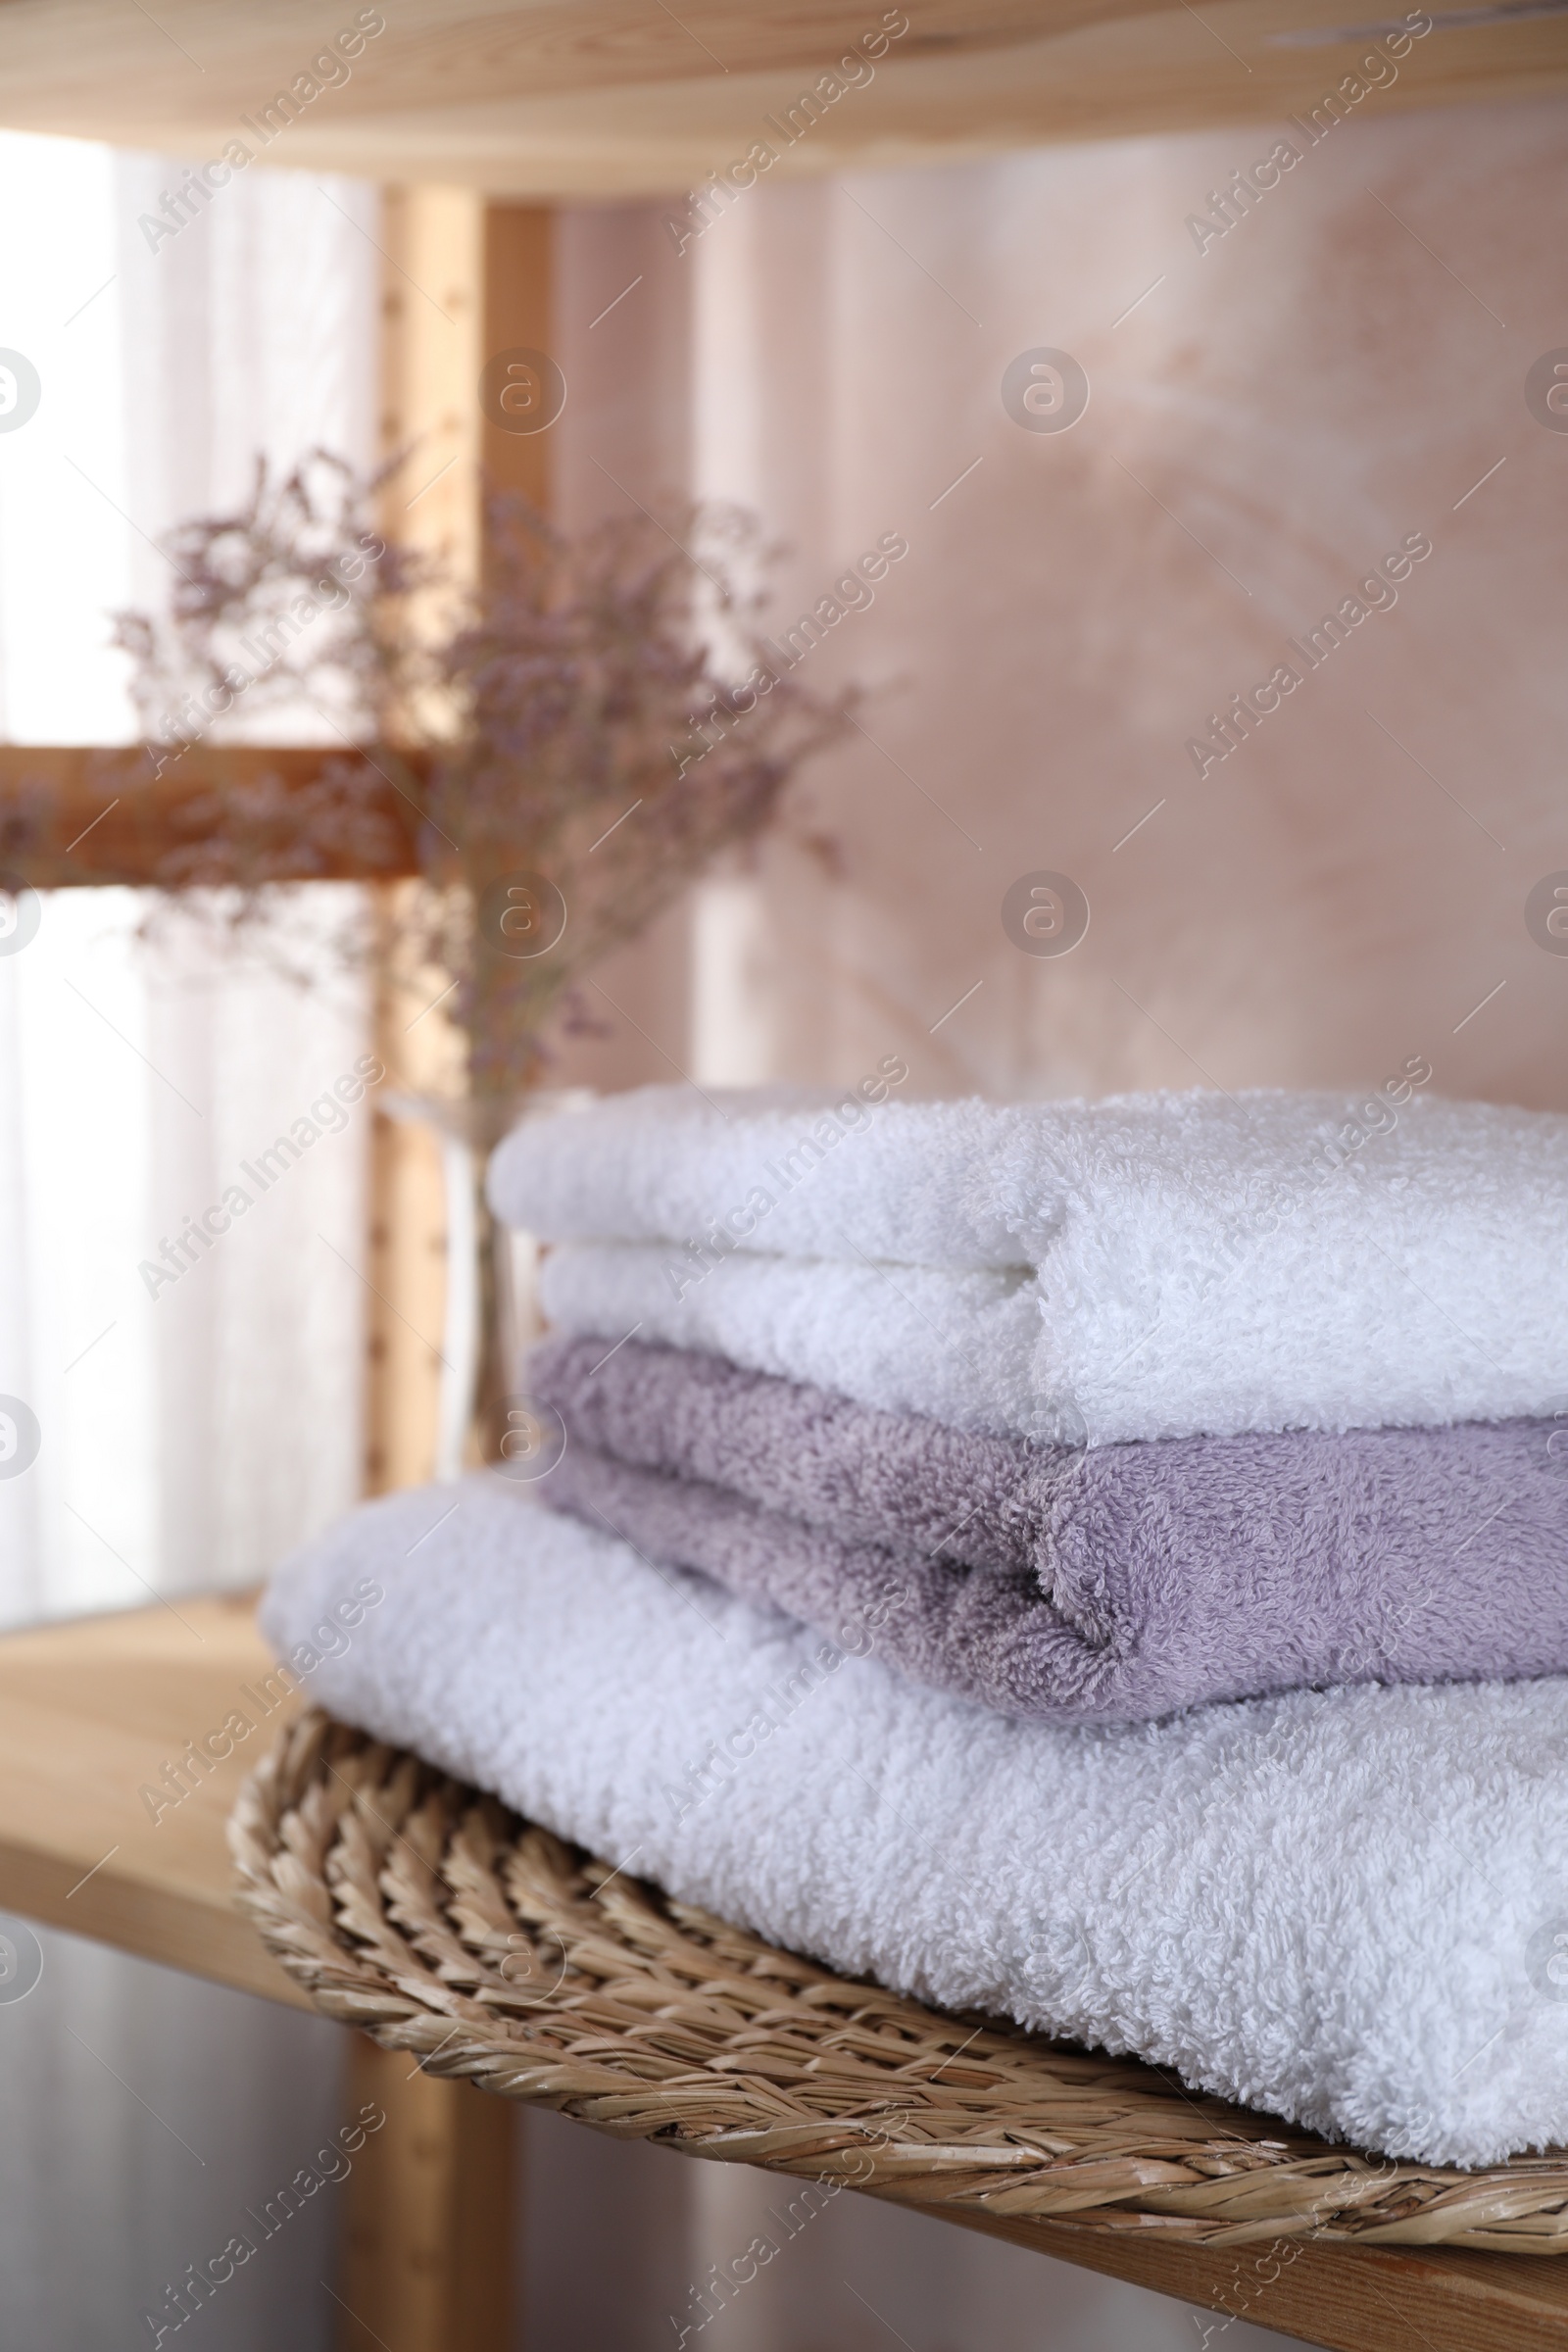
(442,1924)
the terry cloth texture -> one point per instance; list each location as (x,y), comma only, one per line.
(910,1339)
(1117,1584)
(1158,1265)
(1336,1905)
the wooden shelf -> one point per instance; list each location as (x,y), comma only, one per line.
(90,1713)
(1366,2301)
(574,98)
(72,815)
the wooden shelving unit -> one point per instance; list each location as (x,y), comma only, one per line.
(613,97)
(563,99)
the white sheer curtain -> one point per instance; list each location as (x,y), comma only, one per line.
(186,1439)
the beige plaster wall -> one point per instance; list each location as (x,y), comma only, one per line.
(1282,407)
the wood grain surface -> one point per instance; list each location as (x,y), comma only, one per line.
(92,1713)
(610,97)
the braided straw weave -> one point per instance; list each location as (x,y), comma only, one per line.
(442,1924)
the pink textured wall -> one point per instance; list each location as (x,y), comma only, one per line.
(1284,407)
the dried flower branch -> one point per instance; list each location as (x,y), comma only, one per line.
(588,729)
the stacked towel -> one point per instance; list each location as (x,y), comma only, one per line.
(1120,1582)
(1322,1516)
(1159,1266)
(1090,1455)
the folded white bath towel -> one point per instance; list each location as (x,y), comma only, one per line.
(959,1347)
(1157,1266)
(1347,1907)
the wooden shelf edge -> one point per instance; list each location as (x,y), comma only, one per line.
(203,1937)
(1346,2298)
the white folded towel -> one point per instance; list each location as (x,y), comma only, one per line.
(1159,1265)
(959,1346)
(1347,1907)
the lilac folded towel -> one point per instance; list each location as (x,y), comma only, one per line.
(1111,1585)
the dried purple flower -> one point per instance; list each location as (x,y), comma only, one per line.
(601,711)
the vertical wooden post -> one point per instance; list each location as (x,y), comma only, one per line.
(519,316)
(433,346)
(405,1257)
(464,282)
(426,2259)
(432,298)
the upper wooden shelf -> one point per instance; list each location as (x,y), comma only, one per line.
(570,98)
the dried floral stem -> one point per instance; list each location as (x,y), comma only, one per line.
(597,723)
